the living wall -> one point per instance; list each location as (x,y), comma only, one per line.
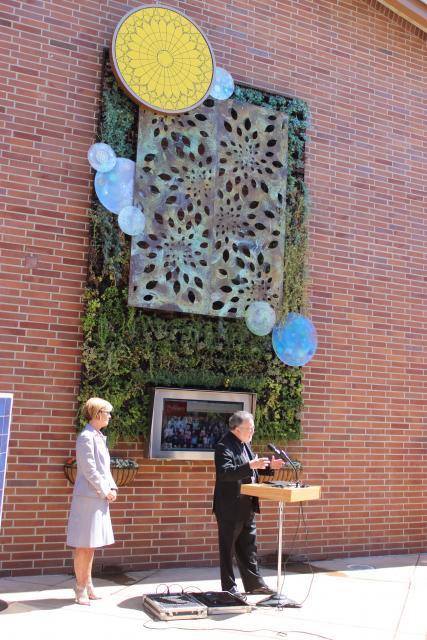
(128,351)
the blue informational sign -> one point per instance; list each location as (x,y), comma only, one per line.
(6,400)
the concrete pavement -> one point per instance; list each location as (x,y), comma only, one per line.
(368,598)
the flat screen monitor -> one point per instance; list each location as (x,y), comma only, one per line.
(187,423)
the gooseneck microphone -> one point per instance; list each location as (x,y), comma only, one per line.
(279,453)
(275,450)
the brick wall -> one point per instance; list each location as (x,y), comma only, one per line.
(362,70)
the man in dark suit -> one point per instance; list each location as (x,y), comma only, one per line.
(236,464)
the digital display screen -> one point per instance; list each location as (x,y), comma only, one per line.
(195,424)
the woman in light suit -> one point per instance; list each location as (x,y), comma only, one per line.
(89,523)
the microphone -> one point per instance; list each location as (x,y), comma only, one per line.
(279,453)
(276,451)
(293,465)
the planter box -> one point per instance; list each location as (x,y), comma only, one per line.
(122,475)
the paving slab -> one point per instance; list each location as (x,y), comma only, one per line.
(51,580)
(369,598)
(399,568)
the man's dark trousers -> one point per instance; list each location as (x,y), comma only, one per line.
(239,537)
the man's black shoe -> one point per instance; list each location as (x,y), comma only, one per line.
(234,592)
(262,590)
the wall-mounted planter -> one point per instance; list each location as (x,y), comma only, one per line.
(287,473)
(123,470)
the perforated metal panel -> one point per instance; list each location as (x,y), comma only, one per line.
(212,184)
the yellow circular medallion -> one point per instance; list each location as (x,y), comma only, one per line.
(162,59)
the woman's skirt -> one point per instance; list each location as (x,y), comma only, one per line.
(89,523)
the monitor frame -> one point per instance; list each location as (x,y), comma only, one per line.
(247,400)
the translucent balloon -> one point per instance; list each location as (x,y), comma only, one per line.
(295,340)
(132,221)
(101,157)
(115,188)
(222,85)
(260,318)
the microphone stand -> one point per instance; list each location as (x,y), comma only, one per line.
(293,465)
(279,453)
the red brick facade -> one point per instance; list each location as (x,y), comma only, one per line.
(362,70)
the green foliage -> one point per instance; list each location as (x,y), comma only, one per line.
(129,351)
(118,118)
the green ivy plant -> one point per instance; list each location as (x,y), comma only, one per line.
(129,351)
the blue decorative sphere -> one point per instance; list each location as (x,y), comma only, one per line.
(222,85)
(295,340)
(101,157)
(132,221)
(260,318)
(115,188)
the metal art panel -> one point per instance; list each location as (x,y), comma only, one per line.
(212,184)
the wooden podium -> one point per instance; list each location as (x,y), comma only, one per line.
(281,495)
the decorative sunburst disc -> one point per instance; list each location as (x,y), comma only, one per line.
(162,59)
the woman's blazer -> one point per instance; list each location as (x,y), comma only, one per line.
(94,479)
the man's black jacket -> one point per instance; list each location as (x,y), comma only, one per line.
(232,470)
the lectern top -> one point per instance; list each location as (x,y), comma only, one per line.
(281,494)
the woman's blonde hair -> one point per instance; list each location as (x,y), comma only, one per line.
(93,407)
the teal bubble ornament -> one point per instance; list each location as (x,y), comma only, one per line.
(295,340)
(222,84)
(101,157)
(260,318)
(132,221)
(115,188)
